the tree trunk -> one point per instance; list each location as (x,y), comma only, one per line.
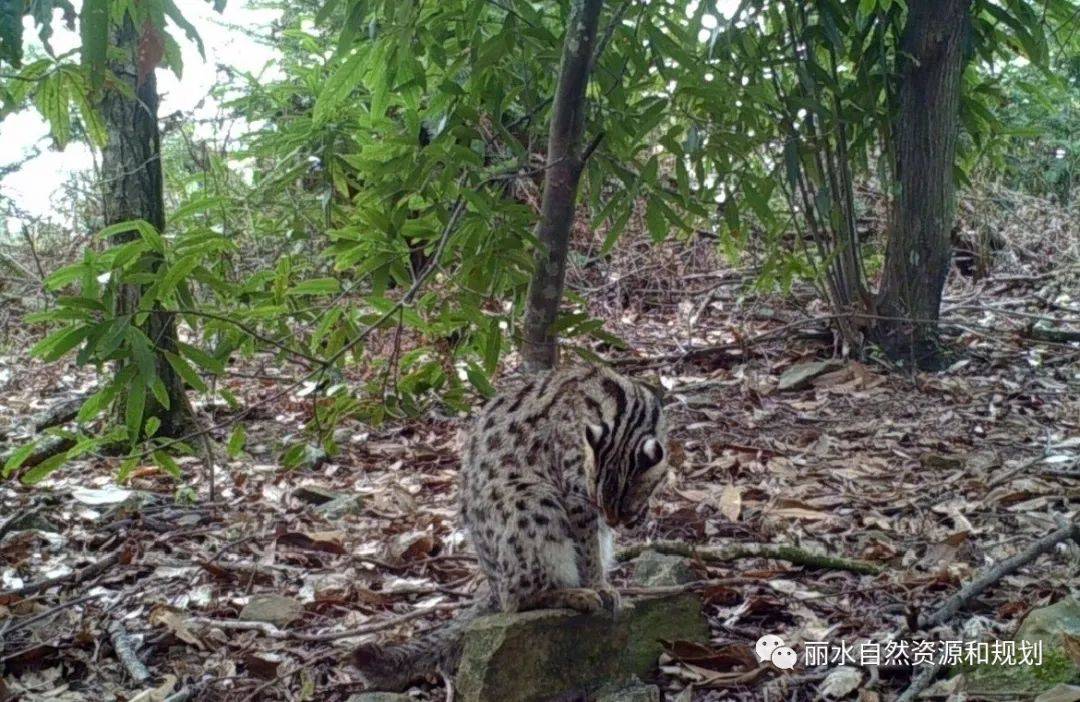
(918,252)
(564,163)
(132,189)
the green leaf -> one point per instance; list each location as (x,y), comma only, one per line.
(97,402)
(340,83)
(94,31)
(17,458)
(52,347)
(42,470)
(152,426)
(185,371)
(166,463)
(202,359)
(126,469)
(655,221)
(237,440)
(189,29)
(65,275)
(316,286)
(479,380)
(135,404)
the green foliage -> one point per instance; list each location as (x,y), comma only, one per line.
(375,220)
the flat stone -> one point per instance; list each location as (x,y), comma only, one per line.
(800,375)
(272,609)
(652,569)
(557,652)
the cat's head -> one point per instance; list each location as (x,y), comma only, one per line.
(626,437)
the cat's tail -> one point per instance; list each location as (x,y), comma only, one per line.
(393,668)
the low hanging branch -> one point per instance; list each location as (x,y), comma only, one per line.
(732,552)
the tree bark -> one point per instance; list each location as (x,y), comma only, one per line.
(132,189)
(918,252)
(564,164)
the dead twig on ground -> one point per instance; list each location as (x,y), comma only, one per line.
(990,576)
(732,552)
(125,652)
(920,683)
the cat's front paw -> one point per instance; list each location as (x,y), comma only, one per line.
(610,600)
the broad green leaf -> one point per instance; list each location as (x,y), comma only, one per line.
(18,457)
(52,347)
(167,464)
(237,440)
(135,404)
(316,286)
(44,469)
(186,372)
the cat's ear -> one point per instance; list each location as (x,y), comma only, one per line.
(653,451)
(594,434)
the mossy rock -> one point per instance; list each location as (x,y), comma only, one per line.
(541,655)
(1021,681)
(1046,626)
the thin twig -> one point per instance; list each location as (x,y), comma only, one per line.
(996,573)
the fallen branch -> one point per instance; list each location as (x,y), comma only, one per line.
(1007,475)
(732,552)
(1057,336)
(996,573)
(17,518)
(693,586)
(125,652)
(920,683)
(274,632)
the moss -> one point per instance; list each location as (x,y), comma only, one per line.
(1021,679)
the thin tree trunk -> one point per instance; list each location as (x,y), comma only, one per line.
(132,189)
(918,252)
(564,164)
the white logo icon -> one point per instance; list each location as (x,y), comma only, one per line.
(784,658)
(766,645)
(771,648)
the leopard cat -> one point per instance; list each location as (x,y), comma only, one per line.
(547,470)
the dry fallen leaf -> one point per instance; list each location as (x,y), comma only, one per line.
(731,502)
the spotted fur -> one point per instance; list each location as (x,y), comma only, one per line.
(546,471)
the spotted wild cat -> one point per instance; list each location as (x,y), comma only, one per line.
(546,471)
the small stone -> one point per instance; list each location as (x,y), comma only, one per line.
(272,609)
(652,569)
(800,375)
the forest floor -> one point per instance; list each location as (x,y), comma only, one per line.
(933,476)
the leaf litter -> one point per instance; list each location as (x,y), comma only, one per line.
(931,475)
